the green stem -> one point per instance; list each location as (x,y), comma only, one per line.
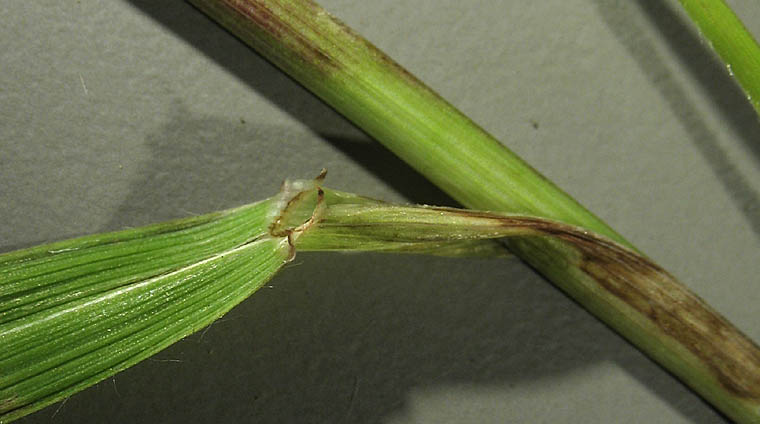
(731,40)
(398,110)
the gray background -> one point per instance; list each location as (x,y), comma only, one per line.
(127,112)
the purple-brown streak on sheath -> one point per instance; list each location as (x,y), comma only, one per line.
(653,292)
(645,287)
(276,28)
(352,46)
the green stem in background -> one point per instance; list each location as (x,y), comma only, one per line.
(731,40)
(424,130)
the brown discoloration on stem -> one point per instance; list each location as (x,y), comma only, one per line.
(257,22)
(731,357)
(307,32)
(8,404)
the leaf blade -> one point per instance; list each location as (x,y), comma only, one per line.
(57,347)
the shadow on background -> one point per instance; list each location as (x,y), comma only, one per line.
(701,63)
(381,162)
(337,338)
(211,40)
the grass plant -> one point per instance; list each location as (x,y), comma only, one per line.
(75,312)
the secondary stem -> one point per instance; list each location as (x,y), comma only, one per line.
(398,110)
(731,40)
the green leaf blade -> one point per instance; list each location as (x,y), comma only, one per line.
(80,267)
(62,343)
